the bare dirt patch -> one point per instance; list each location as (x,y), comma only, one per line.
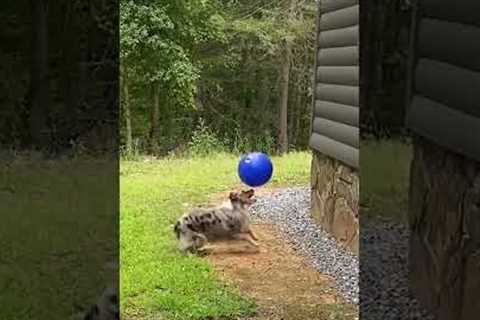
(283,284)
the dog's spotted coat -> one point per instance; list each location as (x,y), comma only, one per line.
(202,225)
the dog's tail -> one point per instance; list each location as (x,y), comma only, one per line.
(176,229)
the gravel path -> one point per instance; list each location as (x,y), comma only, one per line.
(384,246)
(290,210)
(384,283)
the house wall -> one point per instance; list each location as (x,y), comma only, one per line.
(444,195)
(334,199)
(335,123)
(335,130)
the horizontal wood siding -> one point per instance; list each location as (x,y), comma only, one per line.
(335,128)
(342,18)
(337,112)
(339,37)
(341,56)
(454,35)
(338,75)
(337,150)
(458,131)
(450,85)
(462,11)
(446,103)
(343,133)
(338,93)
(333,5)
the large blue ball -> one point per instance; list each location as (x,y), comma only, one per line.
(255,169)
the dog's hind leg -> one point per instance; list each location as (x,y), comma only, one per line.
(191,242)
(205,250)
(199,241)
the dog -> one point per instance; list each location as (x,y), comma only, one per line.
(107,306)
(229,221)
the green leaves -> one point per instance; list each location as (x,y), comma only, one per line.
(215,59)
(158,40)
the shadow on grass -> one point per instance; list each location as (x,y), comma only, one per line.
(57,235)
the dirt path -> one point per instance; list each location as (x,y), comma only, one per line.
(282,283)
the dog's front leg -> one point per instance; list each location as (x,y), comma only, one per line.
(252,234)
(247,237)
(205,250)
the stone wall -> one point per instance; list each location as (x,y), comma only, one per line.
(335,198)
(444,223)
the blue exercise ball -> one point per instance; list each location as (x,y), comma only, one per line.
(255,169)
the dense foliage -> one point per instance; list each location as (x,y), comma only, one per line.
(60,75)
(198,70)
(237,73)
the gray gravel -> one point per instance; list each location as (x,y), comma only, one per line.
(383,250)
(384,272)
(290,210)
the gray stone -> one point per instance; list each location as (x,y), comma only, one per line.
(335,199)
(445,226)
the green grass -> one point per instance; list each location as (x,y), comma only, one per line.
(156,281)
(53,232)
(384,177)
(55,236)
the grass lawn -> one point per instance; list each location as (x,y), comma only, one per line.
(55,236)
(64,244)
(156,281)
(384,178)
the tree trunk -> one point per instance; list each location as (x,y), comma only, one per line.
(39,75)
(67,83)
(127,115)
(154,119)
(445,231)
(292,114)
(299,111)
(263,102)
(284,83)
(283,105)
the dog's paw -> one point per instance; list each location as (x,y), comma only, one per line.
(255,249)
(204,251)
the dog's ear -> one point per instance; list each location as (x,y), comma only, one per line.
(250,193)
(233,196)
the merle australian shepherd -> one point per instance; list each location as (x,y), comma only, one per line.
(202,225)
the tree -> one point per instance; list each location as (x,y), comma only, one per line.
(125,103)
(39,74)
(284,83)
(158,41)
(219,61)
(264,39)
